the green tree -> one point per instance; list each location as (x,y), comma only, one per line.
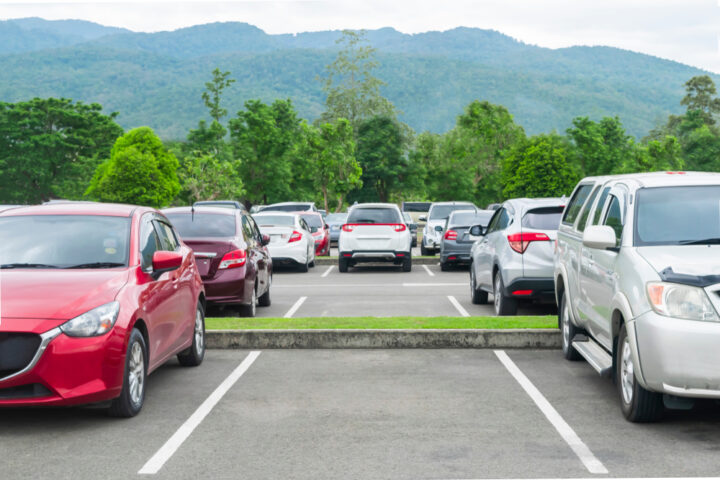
(380,153)
(538,168)
(701,97)
(264,139)
(329,150)
(353,92)
(655,156)
(600,147)
(49,148)
(140,171)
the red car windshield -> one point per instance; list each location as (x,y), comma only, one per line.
(64,241)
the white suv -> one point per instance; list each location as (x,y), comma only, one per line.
(374,232)
(637,280)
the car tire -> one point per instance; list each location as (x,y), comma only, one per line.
(637,403)
(342,265)
(444,266)
(251,309)
(478,296)
(568,331)
(264,300)
(414,243)
(407,264)
(503,305)
(304,267)
(132,395)
(312,264)
(425,251)
(195,353)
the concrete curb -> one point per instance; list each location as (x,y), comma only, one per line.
(415,261)
(427,338)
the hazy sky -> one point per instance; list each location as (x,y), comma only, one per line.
(684,30)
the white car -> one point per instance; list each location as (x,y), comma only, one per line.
(636,279)
(291,242)
(374,232)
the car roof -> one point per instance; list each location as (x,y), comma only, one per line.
(76,208)
(374,205)
(537,202)
(275,213)
(670,179)
(452,203)
(289,203)
(202,209)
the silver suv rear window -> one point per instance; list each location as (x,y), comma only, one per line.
(545,218)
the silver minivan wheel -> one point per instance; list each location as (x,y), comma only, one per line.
(627,372)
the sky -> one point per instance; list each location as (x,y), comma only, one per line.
(687,31)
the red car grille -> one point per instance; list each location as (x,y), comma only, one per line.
(16,351)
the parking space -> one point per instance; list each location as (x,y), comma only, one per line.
(395,414)
(379,290)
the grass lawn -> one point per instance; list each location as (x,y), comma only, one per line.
(380,322)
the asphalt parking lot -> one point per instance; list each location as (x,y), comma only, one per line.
(365,414)
(376,290)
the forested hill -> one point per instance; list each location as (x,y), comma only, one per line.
(156,79)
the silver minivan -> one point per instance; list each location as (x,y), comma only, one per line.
(637,280)
(513,257)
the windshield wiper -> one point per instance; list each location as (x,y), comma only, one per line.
(27,265)
(704,241)
(98,265)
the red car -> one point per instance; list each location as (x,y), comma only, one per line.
(94,298)
(230,252)
(320,232)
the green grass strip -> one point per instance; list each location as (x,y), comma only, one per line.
(375,323)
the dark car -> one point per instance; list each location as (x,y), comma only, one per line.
(335,221)
(412,225)
(456,242)
(230,252)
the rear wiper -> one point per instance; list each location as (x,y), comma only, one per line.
(27,265)
(98,265)
(704,241)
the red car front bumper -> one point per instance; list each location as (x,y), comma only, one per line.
(68,371)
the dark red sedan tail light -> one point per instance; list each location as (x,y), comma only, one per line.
(233,259)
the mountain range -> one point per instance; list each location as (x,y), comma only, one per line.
(156,79)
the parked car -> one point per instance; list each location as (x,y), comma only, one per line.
(457,241)
(290,207)
(94,298)
(513,258)
(320,232)
(7,207)
(220,203)
(231,255)
(412,226)
(435,222)
(494,206)
(335,221)
(291,242)
(416,209)
(636,275)
(323,213)
(374,232)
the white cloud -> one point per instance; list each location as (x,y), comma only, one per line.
(682,30)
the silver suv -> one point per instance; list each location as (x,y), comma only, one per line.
(636,277)
(513,258)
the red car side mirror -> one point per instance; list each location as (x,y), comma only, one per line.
(164,261)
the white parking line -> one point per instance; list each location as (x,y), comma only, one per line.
(566,432)
(171,446)
(429,272)
(459,307)
(327,272)
(295,307)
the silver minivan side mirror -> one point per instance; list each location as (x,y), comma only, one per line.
(600,237)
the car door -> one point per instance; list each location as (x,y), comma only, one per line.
(263,257)
(308,238)
(182,301)
(599,279)
(487,247)
(252,267)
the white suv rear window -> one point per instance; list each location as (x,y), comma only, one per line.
(373,215)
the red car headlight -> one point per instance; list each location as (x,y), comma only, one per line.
(93,323)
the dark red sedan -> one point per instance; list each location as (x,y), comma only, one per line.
(319,230)
(230,252)
(94,298)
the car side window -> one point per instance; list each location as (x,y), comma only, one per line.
(600,205)
(247,229)
(492,226)
(304,225)
(613,217)
(586,211)
(165,233)
(149,242)
(256,229)
(576,203)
